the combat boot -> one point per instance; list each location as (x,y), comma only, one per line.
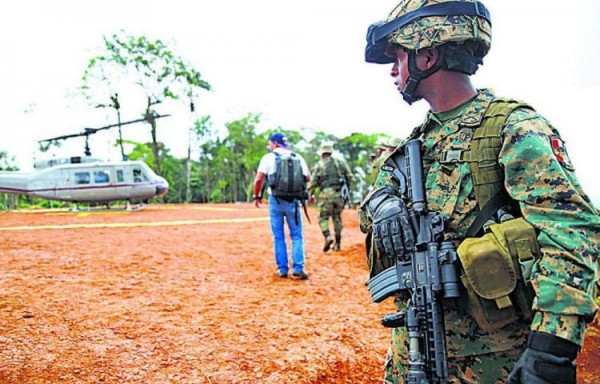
(328,241)
(338,240)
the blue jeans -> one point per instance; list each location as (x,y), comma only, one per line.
(278,210)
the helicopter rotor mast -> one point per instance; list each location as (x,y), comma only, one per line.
(90,131)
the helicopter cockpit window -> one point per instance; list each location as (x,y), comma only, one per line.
(137,175)
(82,177)
(101,177)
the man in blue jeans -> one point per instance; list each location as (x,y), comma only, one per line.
(283,209)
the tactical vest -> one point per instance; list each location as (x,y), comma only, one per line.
(498,301)
(486,143)
(332,175)
(488,178)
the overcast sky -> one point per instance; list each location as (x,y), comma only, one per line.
(299,64)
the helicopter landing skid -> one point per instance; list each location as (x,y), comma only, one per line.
(128,207)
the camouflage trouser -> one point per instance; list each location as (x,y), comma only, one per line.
(330,204)
(480,366)
(491,368)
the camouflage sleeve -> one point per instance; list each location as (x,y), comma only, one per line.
(314,181)
(540,176)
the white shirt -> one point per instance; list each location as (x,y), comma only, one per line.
(267,163)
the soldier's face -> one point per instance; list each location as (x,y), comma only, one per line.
(400,68)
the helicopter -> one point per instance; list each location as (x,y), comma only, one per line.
(85,179)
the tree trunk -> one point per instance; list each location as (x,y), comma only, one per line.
(207,185)
(155,150)
(188,172)
(235,183)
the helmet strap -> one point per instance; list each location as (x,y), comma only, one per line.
(449,57)
(415,75)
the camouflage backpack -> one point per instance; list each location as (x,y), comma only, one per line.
(288,182)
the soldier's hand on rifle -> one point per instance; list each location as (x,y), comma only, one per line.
(392,229)
(547,359)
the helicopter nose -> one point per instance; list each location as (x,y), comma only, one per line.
(162,188)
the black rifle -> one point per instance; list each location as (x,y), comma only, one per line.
(344,190)
(427,272)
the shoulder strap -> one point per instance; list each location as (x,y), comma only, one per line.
(488,177)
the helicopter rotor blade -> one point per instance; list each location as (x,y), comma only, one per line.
(63,137)
(89,131)
(94,130)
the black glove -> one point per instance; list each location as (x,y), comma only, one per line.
(548,359)
(392,229)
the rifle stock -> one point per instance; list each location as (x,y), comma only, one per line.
(344,190)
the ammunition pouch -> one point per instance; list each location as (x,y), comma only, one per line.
(497,268)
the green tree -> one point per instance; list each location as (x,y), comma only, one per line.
(240,151)
(173,169)
(154,69)
(199,133)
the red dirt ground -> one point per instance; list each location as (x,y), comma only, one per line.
(186,294)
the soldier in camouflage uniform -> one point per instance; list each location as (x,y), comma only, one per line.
(329,174)
(432,56)
(386,147)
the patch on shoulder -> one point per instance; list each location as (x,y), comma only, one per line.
(560,152)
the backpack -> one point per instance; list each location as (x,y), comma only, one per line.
(288,182)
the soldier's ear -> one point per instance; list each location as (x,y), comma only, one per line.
(430,57)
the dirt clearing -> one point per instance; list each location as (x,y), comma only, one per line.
(186,294)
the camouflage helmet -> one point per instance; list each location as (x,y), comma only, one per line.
(385,141)
(395,142)
(460,30)
(422,24)
(388,142)
(432,31)
(382,142)
(326,148)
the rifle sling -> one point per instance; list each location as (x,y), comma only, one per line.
(490,208)
(305,211)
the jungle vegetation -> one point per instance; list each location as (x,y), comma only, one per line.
(221,162)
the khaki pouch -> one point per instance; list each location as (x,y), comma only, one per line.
(496,268)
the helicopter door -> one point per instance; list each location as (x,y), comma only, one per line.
(121,185)
(102,189)
(80,183)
